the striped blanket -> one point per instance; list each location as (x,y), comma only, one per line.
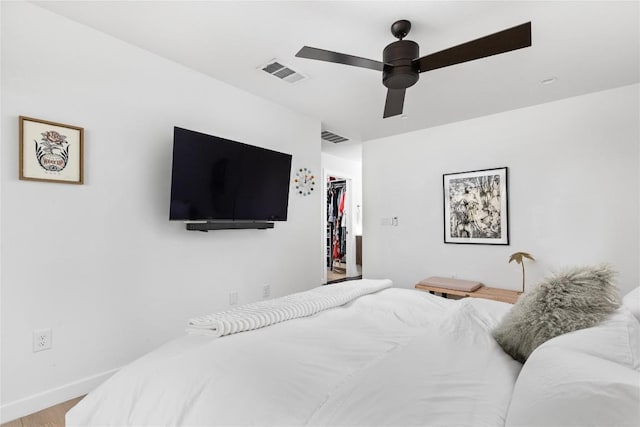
(269,312)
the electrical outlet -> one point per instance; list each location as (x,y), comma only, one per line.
(233,298)
(41,339)
(266,291)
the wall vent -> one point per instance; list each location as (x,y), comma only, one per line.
(282,72)
(332,137)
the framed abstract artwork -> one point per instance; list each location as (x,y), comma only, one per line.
(50,151)
(476,207)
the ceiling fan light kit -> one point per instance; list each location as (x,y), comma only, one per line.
(400,70)
(402,65)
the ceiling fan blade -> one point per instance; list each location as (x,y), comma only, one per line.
(339,58)
(503,41)
(394,103)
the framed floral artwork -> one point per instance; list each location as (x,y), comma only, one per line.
(475,207)
(50,151)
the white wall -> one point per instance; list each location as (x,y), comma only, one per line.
(100,263)
(573,192)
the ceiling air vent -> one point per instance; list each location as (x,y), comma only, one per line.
(332,137)
(282,72)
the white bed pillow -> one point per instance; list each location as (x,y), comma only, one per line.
(588,377)
(632,302)
(617,339)
(560,387)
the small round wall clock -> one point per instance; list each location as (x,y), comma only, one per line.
(305,181)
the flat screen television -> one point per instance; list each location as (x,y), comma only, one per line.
(215,179)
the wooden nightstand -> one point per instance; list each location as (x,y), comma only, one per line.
(485,292)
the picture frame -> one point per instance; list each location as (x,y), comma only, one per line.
(50,151)
(476,208)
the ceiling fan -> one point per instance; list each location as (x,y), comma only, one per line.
(401,66)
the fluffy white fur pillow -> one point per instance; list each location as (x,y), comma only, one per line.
(571,300)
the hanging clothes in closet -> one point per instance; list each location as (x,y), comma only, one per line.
(336,229)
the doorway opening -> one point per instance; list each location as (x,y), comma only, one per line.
(341,249)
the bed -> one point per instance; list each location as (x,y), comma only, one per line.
(388,357)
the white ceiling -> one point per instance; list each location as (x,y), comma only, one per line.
(587,46)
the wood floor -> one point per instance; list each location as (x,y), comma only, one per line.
(50,417)
(332,276)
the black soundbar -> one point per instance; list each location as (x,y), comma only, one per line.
(228,225)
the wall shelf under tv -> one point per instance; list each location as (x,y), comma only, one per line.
(228,225)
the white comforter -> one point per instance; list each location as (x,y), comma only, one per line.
(397,357)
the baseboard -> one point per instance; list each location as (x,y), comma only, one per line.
(344,279)
(37,402)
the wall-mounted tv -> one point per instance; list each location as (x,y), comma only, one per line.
(214,179)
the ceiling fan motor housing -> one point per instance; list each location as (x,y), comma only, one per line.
(400,71)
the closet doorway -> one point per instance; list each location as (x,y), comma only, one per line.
(340,242)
